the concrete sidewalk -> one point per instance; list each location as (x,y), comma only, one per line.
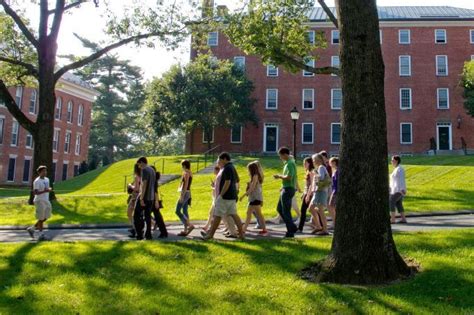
(276,231)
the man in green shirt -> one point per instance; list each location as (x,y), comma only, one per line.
(287,193)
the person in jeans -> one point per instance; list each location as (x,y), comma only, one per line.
(43,207)
(184,200)
(146,199)
(226,200)
(307,193)
(159,222)
(398,190)
(287,192)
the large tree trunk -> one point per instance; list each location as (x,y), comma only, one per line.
(363,250)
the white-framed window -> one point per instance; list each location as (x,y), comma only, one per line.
(67,142)
(405,98)
(335,37)
(2,128)
(65,170)
(26,170)
(307,99)
(471,36)
(442,97)
(239,62)
(70,108)
(271,101)
(336,98)
(213,38)
(309,62)
(77,149)
(80,115)
(19,96)
(58,109)
(310,35)
(307,133)
(15,133)
(236,134)
(404,65)
(442,65)
(56,140)
(11,168)
(335,62)
(335,133)
(272,71)
(33,98)
(29,141)
(404,37)
(205,137)
(440,36)
(406,133)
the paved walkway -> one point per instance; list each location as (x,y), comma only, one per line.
(276,231)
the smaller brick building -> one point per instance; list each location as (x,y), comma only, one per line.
(71,132)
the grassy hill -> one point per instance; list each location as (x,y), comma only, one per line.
(434,184)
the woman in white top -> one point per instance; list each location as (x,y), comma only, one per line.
(398,190)
(321,182)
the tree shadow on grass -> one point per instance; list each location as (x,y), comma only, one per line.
(74,215)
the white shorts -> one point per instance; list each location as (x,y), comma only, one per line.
(225,207)
(43,209)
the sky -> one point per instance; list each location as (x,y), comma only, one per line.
(86,22)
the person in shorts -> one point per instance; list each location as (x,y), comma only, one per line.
(226,200)
(43,207)
(321,182)
(254,193)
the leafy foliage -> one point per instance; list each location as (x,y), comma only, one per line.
(468,84)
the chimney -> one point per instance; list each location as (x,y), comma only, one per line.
(207,8)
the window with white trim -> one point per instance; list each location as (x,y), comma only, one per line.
(336,98)
(404,66)
(236,134)
(440,37)
(239,62)
(212,38)
(67,142)
(405,98)
(70,108)
(205,138)
(58,109)
(2,128)
(19,95)
(29,141)
(335,37)
(56,140)
(471,36)
(311,63)
(15,133)
(11,169)
(307,98)
(404,37)
(80,115)
(335,63)
(441,65)
(310,36)
(406,133)
(272,71)
(307,130)
(271,99)
(442,98)
(33,98)
(77,149)
(335,133)
(65,170)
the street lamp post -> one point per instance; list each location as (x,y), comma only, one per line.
(295,115)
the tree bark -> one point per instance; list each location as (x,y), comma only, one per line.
(363,250)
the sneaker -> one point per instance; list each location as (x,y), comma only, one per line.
(205,236)
(289,235)
(230,236)
(257,227)
(31,231)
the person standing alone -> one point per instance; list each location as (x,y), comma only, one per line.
(43,207)
(287,192)
(398,190)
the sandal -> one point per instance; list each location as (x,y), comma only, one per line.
(316,231)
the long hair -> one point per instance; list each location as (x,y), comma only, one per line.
(256,169)
(310,164)
(136,170)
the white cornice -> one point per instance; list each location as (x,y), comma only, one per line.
(76,90)
(413,23)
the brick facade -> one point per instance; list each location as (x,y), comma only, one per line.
(446,126)
(70,90)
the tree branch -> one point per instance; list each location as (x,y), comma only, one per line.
(329,13)
(100,53)
(28,66)
(69,6)
(302,65)
(13,108)
(19,22)
(58,16)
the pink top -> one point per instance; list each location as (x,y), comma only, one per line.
(217,186)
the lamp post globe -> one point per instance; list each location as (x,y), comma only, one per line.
(295,115)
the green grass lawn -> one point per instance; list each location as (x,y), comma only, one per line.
(192,277)
(442,183)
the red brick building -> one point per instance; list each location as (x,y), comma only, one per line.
(424,51)
(71,132)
